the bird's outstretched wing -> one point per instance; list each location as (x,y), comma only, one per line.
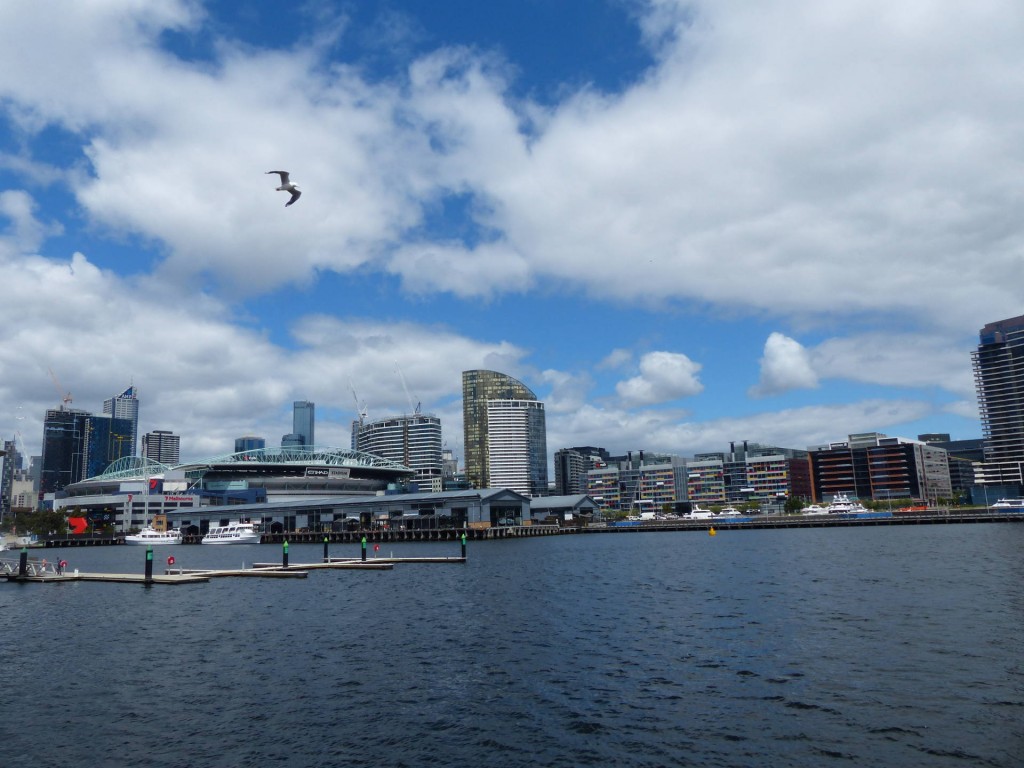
(283,175)
(295,196)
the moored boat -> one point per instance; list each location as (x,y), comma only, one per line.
(699,514)
(1009,504)
(233,533)
(841,505)
(151,537)
(814,509)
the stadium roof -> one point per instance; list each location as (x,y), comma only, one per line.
(134,467)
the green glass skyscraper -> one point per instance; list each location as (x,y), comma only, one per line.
(505,433)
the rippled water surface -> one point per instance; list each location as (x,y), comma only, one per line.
(889,646)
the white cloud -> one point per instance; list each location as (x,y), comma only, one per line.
(785,365)
(664,376)
(617,358)
(732,174)
(898,359)
(203,376)
(670,432)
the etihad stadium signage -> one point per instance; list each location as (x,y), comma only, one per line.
(328,472)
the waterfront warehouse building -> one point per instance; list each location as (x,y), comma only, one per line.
(999,379)
(413,441)
(505,433)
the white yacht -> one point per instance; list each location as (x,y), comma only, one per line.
(1009,504)
(841,505)
(151,537)
(233,533)
(814,509)
(730,512)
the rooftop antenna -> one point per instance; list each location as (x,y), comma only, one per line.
(415,408)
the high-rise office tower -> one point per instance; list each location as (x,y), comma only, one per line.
(63,433)
(414,441)
(249,443)
(303,417)
(505,433)
(78,444)
(163,446)
(11,462)
(126,406)
(999,379)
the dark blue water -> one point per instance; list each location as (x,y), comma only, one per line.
(882,646)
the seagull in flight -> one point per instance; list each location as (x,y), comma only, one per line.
(287,186)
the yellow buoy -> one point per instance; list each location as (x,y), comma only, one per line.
(712,531)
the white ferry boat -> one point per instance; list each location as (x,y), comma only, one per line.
(233,533)
(730,512)
(699,514)
(151,537)
(1009,504)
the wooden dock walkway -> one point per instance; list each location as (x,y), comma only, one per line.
(110,578)
(43,572)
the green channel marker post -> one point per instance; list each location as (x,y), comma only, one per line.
(23,562)
(364,549)
(149,564)
(463,545)
(284,554)
(326,558)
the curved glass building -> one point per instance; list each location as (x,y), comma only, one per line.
(505,434)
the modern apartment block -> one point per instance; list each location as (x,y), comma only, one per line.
(414,441)
(749,473)
(505,434)
(571,467)
(517,446)
(705,481)
(638,483)
(163,446)
(999,379)
(126,406)
(878,467)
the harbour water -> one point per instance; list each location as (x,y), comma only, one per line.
(884,646)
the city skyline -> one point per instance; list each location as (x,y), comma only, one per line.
(658,215)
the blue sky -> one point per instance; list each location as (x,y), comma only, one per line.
(680,223)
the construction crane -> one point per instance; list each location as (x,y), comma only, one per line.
(415,408)
(65,397)
(360,408)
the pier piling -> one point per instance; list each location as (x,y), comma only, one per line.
(284,555)
(23,562)
(327,558)
(364,549)
(149,564)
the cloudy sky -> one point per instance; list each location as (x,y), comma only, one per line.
(679,223)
